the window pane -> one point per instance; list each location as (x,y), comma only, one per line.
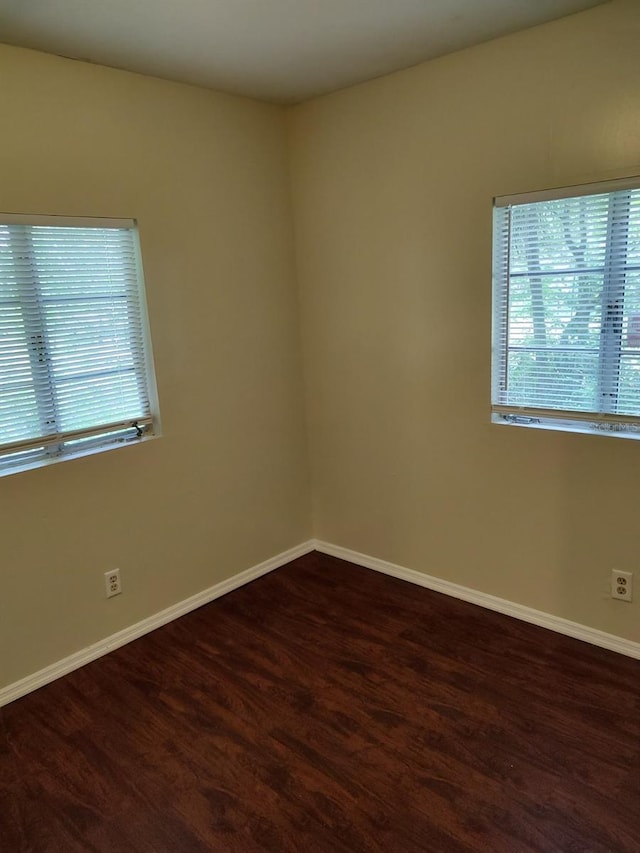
(553,341)
(631,313)
(80,262)
(8,273)
(88,338)
(555,310)
(85,403)
(19,417)
(566,234)
(629,387)
(549,379)
(634,230)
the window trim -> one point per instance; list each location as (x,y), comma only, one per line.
(602,422)
(120,432)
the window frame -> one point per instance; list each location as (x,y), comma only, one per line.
(600,422)
(57,445)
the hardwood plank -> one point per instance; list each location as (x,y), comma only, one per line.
(328,708)
(10,816)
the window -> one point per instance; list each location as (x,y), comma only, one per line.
(75,365)
(566,330)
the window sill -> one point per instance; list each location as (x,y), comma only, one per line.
(68,457)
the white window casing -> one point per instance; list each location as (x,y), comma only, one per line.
(566,309)
(76,370)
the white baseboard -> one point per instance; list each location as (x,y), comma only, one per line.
(491,602)
(121,638)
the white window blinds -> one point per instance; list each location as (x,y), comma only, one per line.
(74,365)
(566,332)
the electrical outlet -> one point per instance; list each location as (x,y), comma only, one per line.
(112,583)
(621,585)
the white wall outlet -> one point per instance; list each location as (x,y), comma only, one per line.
(112,583)
(621,585)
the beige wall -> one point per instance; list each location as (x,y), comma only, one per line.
(226,486)
(392,187)
(393,183)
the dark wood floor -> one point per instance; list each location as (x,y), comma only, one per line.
(328,708)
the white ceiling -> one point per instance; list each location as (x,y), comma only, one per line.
(277,50)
